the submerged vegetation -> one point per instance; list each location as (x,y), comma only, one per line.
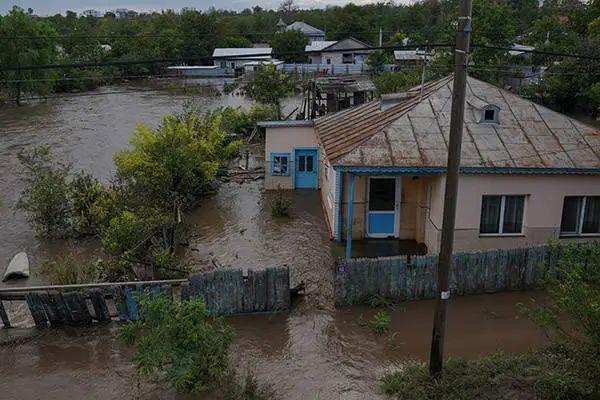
(281,205)
(567,369)
(184,346)
(138,216)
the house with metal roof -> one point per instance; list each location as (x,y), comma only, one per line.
(237,57)
(345,51)
(528,174)
(313,34)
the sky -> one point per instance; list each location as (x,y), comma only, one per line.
(51,7)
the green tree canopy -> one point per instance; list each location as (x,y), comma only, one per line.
(36,45)
(290,41)
(269,87)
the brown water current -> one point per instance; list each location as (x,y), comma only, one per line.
(313,352)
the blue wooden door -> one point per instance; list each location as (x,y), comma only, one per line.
(382,208)
(305,169)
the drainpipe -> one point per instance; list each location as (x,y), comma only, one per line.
(349,221)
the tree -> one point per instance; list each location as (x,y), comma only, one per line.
(377,60)
(174,165)
(269,86)
(58,202)
(287,8)
(37,46)
(393,82)
(290,41)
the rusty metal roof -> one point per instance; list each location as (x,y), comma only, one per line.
(415,132)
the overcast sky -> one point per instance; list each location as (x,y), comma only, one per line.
(51,7)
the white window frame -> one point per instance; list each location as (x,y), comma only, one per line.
(580,218)
(501,219)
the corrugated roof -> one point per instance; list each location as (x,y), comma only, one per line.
(404,55)
(319,45)
(242,51)
(304,28)
(415,132)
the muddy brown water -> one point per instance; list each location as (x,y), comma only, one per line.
(314,351)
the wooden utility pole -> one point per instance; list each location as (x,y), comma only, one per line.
(463,36)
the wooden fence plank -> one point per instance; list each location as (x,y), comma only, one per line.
(36,308)
(101,312)
(4,315)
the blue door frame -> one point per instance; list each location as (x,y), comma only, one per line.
(306,169)
(383,206)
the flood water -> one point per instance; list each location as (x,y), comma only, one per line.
(303,355)
(314,351)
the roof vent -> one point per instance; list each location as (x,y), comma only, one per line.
(489,114)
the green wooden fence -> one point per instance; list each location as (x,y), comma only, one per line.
(358,280)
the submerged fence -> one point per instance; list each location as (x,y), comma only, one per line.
(358,280)
(226,291)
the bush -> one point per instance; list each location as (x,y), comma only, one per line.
(179,343)
(57,202)
(281,205)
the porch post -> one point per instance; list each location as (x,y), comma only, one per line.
(349,221)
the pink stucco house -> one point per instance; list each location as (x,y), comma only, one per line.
(529,174)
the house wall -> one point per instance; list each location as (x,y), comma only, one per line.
(284,140)
(542,214)
(328,184)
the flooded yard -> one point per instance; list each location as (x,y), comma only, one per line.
(314,351)
(303,355)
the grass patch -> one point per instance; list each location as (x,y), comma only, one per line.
(281,205)
(544,374)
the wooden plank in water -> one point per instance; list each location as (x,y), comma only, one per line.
(37,309)
(99,303)
(4,316)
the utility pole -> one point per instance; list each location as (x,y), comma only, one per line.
(463,37)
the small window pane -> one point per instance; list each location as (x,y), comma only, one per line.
(301,163)
(309,163)
(591,217)
(489,115)
(490,214)
(280,165)
(284,165)
(513,214)
(382,194)
(570,214)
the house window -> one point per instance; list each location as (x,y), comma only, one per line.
(348,58)
(580,216)
(223,64)
(329,61)
(280,164)
(502,215)
(489,114)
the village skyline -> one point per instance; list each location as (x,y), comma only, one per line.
(44,8)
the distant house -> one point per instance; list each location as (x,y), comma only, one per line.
(92,13)
(237,57)
(528,174)
(338,52)
(121,12)
(408,58)
(313,34)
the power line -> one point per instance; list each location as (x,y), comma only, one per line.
(288,53)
